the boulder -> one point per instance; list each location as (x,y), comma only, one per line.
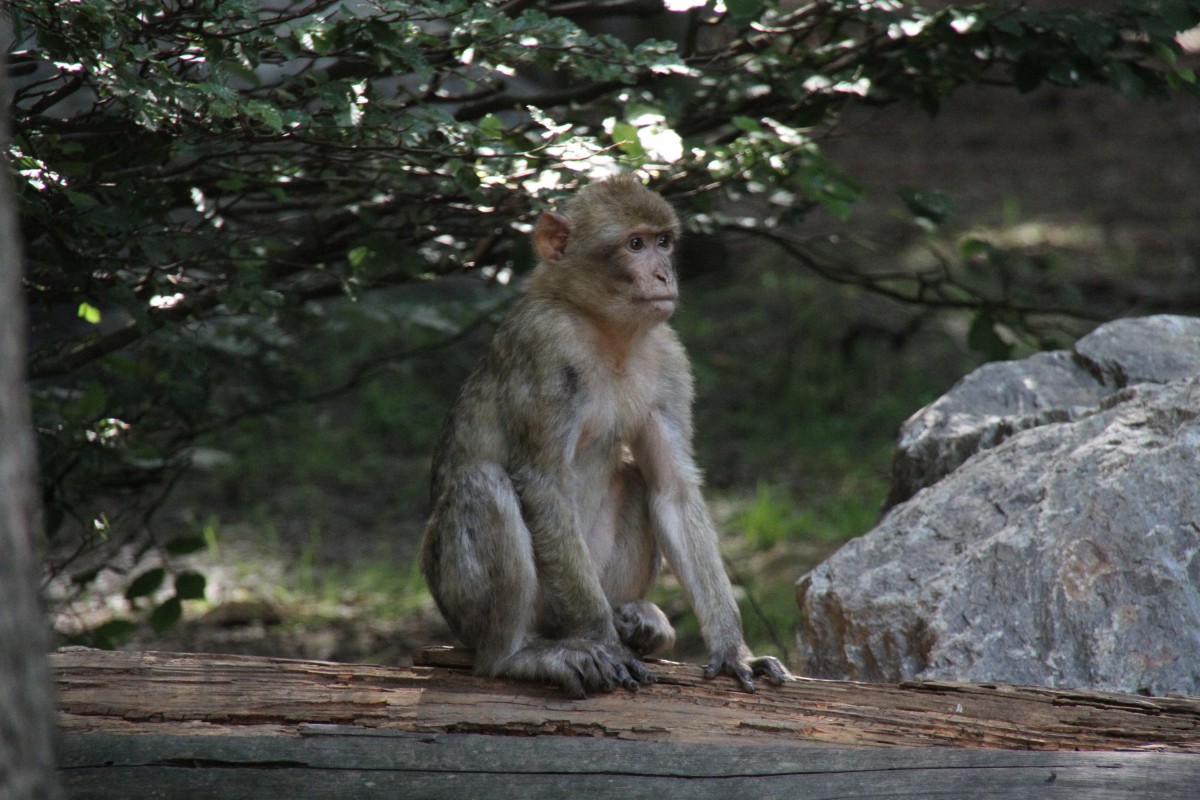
(1054,540)
(1002,398)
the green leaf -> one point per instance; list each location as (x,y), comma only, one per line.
(747,124)
(929,206)
(89,312)
(265,113)
(146,583)
(972,247)
(626,138)
(167,615)
(86,577)
(983,338)
(1126,80)
(91,402)
(742,11)
(190,586)
(358,256)
(491,126)
(464,175)
(1028,74)
(111,634)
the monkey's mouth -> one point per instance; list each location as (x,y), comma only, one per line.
(662,305)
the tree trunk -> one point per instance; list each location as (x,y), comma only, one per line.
(26,699)
(176,725)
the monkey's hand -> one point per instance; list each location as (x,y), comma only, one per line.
(744,667)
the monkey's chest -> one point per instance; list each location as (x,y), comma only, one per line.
(611,419)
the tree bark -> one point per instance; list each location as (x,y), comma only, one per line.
(161,724)
(26,699)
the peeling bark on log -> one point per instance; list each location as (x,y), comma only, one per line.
(186,725)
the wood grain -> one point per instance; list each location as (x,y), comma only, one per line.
(186,725)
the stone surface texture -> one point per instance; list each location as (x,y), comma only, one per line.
(1047,531)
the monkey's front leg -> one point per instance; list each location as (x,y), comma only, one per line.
(740,663)
(690,542)
(687,537)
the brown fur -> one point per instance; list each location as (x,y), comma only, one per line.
(565,472)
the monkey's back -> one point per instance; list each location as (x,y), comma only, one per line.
(532,370)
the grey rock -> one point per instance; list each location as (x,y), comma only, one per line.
(1062,550)
(1000,399)
(1142,350)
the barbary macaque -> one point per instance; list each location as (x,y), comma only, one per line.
(564,473)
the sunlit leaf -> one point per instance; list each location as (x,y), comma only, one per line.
(492,126)
(89,312)
(626,137)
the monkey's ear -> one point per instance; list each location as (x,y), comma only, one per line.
(550,236)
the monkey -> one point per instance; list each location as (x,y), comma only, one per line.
(564,474)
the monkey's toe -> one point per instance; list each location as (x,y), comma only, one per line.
(772,669)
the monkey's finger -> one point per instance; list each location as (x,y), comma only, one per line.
(601,672)
(745,678)
(740,672)
(624,677)
(772,669)
(571,682)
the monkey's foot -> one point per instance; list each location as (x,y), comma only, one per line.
(579,666)
(643,627)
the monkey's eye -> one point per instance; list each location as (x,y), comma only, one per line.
(635,243)
(664,241)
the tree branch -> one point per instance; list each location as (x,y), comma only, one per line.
(548,99)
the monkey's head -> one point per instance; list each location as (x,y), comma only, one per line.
(612,252)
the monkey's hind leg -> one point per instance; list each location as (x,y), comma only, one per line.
(642,625)
(479,564)
(478,561)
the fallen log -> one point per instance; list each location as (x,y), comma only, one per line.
(188,725)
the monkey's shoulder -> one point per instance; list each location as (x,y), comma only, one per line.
(535,350)
(544,319)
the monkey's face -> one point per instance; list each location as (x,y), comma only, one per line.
(644,262)
(612,253)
